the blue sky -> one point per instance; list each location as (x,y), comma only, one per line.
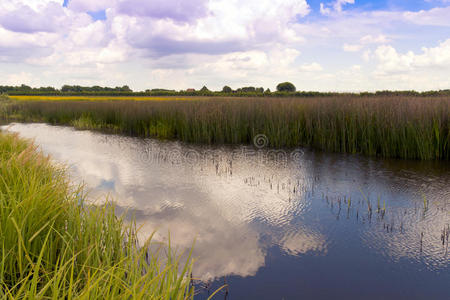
(411,5)
(99,15)
(332,45)
(362,5)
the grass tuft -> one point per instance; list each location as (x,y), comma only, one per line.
(53,247)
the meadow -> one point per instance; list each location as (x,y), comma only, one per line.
(53,246)
(406,127)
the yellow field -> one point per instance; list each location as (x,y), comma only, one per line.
(102,98)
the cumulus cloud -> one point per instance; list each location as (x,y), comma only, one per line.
(438,16)
(339,3)
(180,11)
(313,67)
(364,41)
(89,5)
(352,47)
(370,39)
(390,61)
(34,4)
(16,47)
(44,16)
(326,9)
(224,27)
(23,77)
(367,55)
(25,19)
(252,42)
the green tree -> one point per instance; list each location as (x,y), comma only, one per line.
(247,89)
(286,87)
(204,89)
(126,88)
(227,89)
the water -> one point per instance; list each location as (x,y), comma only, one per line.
(275,225)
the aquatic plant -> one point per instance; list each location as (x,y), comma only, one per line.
(54,247)
(385,126)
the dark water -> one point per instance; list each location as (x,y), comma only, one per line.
(276,225)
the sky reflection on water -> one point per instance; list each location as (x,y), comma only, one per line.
(248,209)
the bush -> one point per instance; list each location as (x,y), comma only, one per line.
(4,98)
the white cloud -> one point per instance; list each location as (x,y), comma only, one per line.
(365,40)
(34,4)
(367,55)
(352,47)
(438,16)
(252,60)
(390,61)
(326,9)
(19,78)
(94,34)
(89,5)
(313,67)
(254,42)
(339,3)
(370,39)
(47,16)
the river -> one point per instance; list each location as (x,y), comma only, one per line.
(274,224)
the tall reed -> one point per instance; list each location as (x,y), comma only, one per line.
(54,247)
(385,126)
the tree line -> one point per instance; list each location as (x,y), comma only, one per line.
(282,89)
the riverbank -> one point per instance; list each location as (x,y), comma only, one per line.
(383,126)
(52,246)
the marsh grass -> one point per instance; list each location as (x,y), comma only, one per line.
(103,98)
(53,247)
(384,126)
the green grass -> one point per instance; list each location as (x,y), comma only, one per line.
(405,127)
(54,247)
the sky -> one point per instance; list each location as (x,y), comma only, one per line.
(320,45)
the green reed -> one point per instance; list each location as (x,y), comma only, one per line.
(384,126)
(54,247)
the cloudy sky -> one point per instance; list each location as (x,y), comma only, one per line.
(324,45)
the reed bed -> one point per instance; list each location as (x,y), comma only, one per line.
(385,126)
(54,247)
(102,98)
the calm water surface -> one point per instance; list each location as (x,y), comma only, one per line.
(273,224)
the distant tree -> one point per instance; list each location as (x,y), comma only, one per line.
(260,90)
(286,87)
(24,87)
(204,89)
(126,88)
(247,89)
(267,91)
(46,89)
(227,89)
(161,90)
